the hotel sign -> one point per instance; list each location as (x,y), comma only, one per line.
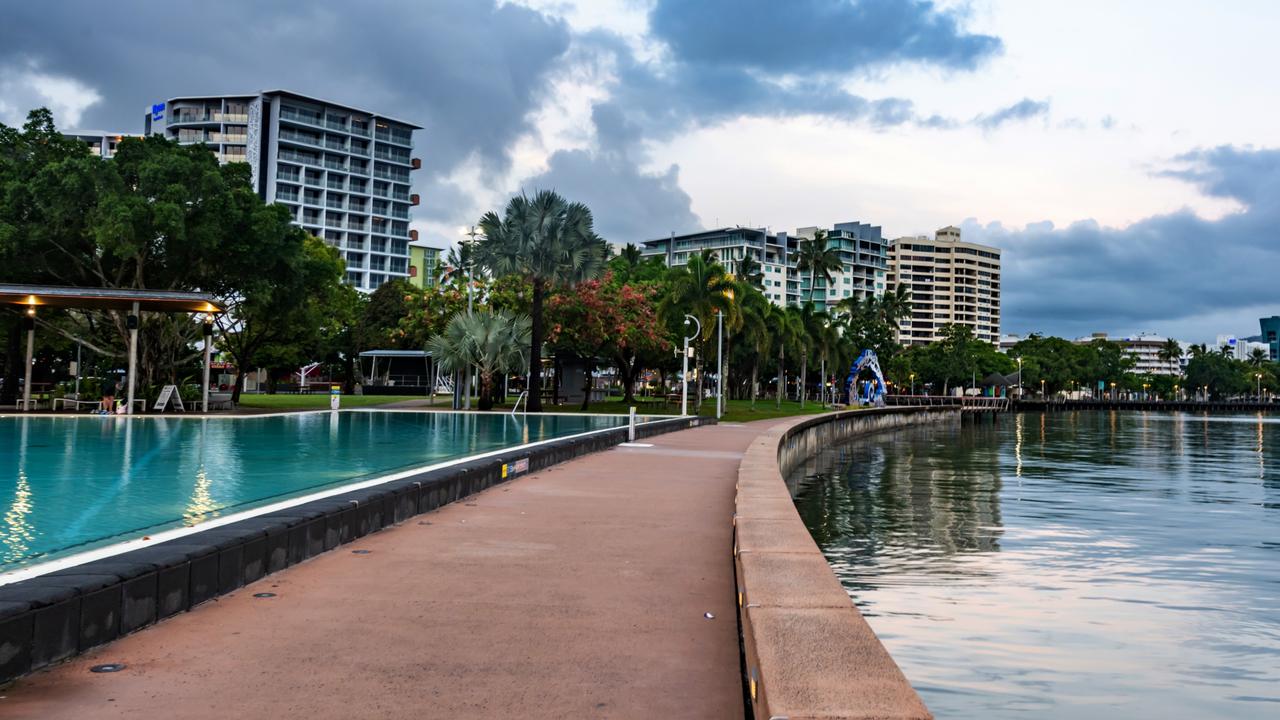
(157,112)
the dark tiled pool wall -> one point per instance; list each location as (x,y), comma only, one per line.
(56,616)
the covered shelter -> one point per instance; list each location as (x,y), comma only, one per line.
(408,372)
(134,302)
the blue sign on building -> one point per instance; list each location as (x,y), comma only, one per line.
(157,112)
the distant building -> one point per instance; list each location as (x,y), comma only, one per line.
(1240,348)
(1271,335)
(864,258)
(1007,342)
(1145,350)
(729,245)
(100,143)
(343,172)
(424,265)
(951,282)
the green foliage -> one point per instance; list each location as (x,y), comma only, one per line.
(490,342)
(816,258)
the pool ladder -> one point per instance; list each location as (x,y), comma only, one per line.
(524,395)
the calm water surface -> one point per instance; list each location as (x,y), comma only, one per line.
(1086,565)
(68,484)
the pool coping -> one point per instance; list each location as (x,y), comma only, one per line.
(61,613)
(8,577)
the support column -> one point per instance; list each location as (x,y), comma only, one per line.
(30,322)
(208,350)
(132,323)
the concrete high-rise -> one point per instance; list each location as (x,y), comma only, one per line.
(951,282)
(101,144)
(864,262)
(343,172)
(776,255)
(1271,334)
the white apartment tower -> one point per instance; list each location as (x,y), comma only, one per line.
(951,282)
(343,172)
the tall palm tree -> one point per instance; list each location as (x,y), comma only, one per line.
(815,258)
(895,306)
(755,309)
(457,263)
(491,343)
(1170,352)
(701,289)
(1198,350)
(813,325)
(750,271)
(548,240)
(787,333)
(1258,357)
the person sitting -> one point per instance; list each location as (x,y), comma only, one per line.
(109,398)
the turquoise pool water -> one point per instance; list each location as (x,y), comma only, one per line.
(73,484)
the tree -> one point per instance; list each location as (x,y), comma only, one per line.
(610,319)
(1258,357)
(284,304)
(630,256)
(551,242)
(1170,352)
(750,272)
(756,313)
(701,289)
(788,332)
(490,342)
(816,258)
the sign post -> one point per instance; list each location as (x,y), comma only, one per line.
(335,397)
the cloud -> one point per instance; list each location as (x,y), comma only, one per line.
(23,86)
(801,37)
(470,71)
(1024,109)
(630,205)
(1159,272)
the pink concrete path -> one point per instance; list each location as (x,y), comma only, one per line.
(577,592)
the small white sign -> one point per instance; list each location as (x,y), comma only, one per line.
(169,393)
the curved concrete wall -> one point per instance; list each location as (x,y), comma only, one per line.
(809,653)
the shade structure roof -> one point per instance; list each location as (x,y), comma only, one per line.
(108,299)
(396,353)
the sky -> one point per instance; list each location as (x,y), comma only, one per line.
(1126,161)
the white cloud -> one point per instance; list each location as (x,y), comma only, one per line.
(25,87)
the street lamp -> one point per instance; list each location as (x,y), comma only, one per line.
(684,375)
(1113,391)
(1019,377)
(1042,396)
(913,383)
(719,364)
(1259,378)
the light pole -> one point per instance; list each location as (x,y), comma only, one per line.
(1113,391)
(719,364)
(684,374)
(1019,378)
(471,251)
(1042,396)
(1259,378)
(913,383)
(30,322)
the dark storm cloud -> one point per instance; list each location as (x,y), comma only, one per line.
(1157,273)
(470,71)
(816,36)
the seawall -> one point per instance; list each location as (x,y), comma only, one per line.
(808,651)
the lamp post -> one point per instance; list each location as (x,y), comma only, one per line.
(1259,378)
(1144,391)
(30,322)
(719,364)
(471,251)
(684,374)
(1042,395)
(1019,377)
(913,383)
(1113,391)
(208,348)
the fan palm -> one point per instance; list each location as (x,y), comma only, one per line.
(815,258)
(549,241)
(491,343)
(1258,357)
(1170,352)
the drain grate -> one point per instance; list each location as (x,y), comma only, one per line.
(107,668)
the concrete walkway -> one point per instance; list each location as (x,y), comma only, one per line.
(577,592)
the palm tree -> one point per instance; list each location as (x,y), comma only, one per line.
(1198,350)
(755,332)
(491,343)
(1258,357)
(457,264)
(813,324)
(815,258)
(551,242)
(895,306)
(701,289)
(750,271)
(787,332)
(1170,352)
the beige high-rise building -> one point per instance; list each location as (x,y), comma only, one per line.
(951,282)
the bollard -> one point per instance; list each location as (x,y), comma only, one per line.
(631,426)
(335,396)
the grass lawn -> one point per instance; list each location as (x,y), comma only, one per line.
(319,401)
(735,410)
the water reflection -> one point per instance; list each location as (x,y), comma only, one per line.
(1110,564)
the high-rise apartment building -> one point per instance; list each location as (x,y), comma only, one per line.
(775,253)
(1146,351)
(424,265)
(951,282)
(343,172)
(864,260)
(1271,334)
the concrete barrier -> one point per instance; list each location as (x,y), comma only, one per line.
(55,616)
(809,653)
